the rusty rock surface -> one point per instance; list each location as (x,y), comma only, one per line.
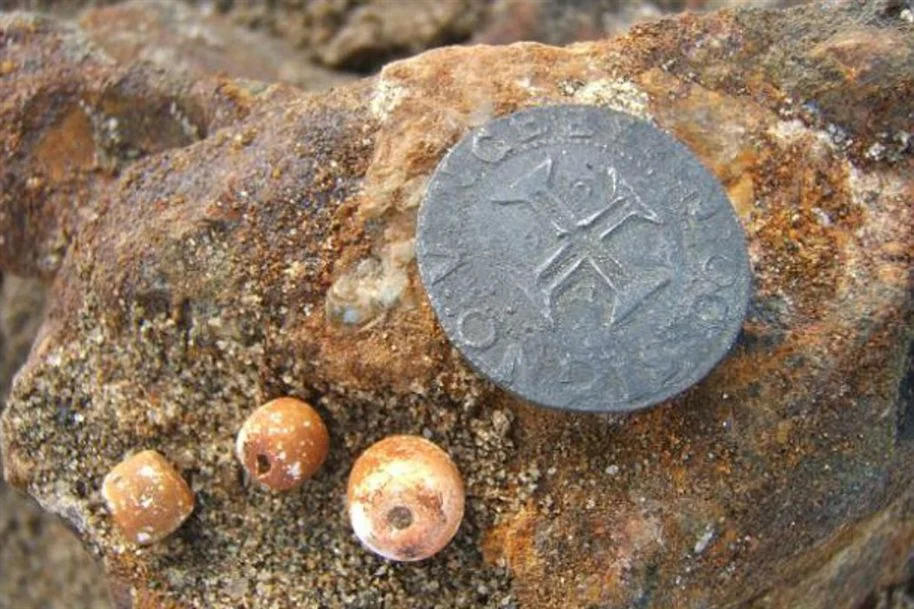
(214,270)
(42,564)
(76,119)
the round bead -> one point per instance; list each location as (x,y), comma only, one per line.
(283,443)
(147,498)
(405,498)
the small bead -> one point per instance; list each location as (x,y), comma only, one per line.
(405,498)
(283,443)
(147,498)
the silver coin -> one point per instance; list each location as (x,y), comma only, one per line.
(582,259)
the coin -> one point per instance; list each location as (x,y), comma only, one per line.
(582,259)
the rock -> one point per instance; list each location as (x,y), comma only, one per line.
(68,8)
(193,285)
(71,120)
(362,35)
(567,21)
(563,22)
(37,547)
(174,36)
(42,563)
(22,304)
(372,33)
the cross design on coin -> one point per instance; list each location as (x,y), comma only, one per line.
(582,236)
(581,258)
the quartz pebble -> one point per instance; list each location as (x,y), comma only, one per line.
(147,498)
(405,498)
(283,443)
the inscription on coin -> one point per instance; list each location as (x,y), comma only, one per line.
(582,259)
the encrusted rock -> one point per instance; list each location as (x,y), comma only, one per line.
(193,281)
(43,562)
(72,121)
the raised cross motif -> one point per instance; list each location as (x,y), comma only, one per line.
(582,237)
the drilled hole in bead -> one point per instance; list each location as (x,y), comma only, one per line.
(263,464)
(400,517)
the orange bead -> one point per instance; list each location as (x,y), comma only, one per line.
(283,443)
(147,498)
(405,498)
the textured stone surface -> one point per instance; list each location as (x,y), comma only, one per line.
(563,21)
(567,21)
(362,35)
(76,119)
(175,36)
(68,8)
(194,283)
(42,563)
(22,304)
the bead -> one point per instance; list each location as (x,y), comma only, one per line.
(147,498)
(283,443)
(405,498)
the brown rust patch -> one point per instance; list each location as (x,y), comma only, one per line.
(805,219)
(791,191)
(66,146)
(721,130)
(858,54)
(586,552)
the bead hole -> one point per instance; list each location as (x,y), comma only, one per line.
(263,464)
(400,517)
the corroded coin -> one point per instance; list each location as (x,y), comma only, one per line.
(581,258)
